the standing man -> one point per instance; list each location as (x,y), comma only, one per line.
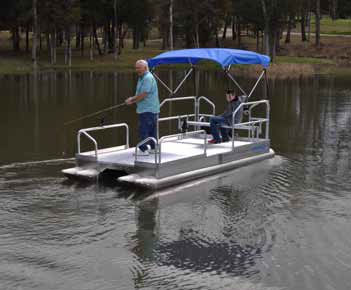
(148,106)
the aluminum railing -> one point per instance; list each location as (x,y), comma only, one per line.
(209,102)
(158,145)
(144,142)
(178,99)
(252,121)
(255,123)
(181,134)
(85,133)
(171,100)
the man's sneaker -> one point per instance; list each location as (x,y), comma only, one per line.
(141,153)
(214,141)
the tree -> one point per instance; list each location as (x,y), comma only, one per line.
(35,35)
(318,23)
(343,9)
(199,21)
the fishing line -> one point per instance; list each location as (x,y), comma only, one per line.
(94,114)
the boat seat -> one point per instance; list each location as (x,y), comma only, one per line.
(236,126)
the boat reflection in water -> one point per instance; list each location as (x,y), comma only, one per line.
(212,230)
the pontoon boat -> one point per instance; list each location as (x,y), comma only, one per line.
(186,155)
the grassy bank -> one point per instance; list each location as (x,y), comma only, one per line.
(330,26)
(22,62)
(293,60)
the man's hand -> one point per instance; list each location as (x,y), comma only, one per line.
(130,100)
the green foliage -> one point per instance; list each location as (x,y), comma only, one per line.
(196,23)
(344,9)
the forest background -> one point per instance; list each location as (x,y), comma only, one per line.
(301,35)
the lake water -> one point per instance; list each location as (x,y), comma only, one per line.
(280,224)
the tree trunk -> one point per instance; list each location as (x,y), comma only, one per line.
(115,29)
(257,39)
(91,43)
(288,32)
(122,35)
(233,28)
(35,36)
(226,24)
(78,36)
(109,36)
(217,39)
(66,48)
(16,38)
(54,45)
(309,26)
(59,38)
(171,24)
(48,45)
(82,40)
(69,47)
(40,39)
(51,37)
(105,38)
(96,39)
(333,8)
(136,37)
(27,39)
(266,39)
(318,24)
(164,41)
(273,44)
(143,36)
(238,30)
(303,27)
(277,39)
(197,40)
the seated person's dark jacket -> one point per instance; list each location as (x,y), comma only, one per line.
(231,107)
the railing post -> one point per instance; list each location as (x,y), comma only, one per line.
(268,119)
(78,141)
(84,131)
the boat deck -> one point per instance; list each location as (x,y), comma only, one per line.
(172,150)
(180,157)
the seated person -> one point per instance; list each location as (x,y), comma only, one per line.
(225,118)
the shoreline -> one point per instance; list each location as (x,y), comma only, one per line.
(293,61)
(282,70)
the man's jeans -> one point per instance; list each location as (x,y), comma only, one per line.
(147,128)
(215,122)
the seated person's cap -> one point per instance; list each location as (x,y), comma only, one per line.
(230,91)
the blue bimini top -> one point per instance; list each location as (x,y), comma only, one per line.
(223,56)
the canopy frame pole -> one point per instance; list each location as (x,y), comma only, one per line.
(196,93)
(258,80)
(173,92)
(184,79)
(167,88)
(233,79)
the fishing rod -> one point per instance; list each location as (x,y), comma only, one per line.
(96,113)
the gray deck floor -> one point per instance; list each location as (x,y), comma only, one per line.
(171,150)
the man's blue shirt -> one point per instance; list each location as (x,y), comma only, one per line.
(150,103)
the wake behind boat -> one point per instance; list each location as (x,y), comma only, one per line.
(184,156)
